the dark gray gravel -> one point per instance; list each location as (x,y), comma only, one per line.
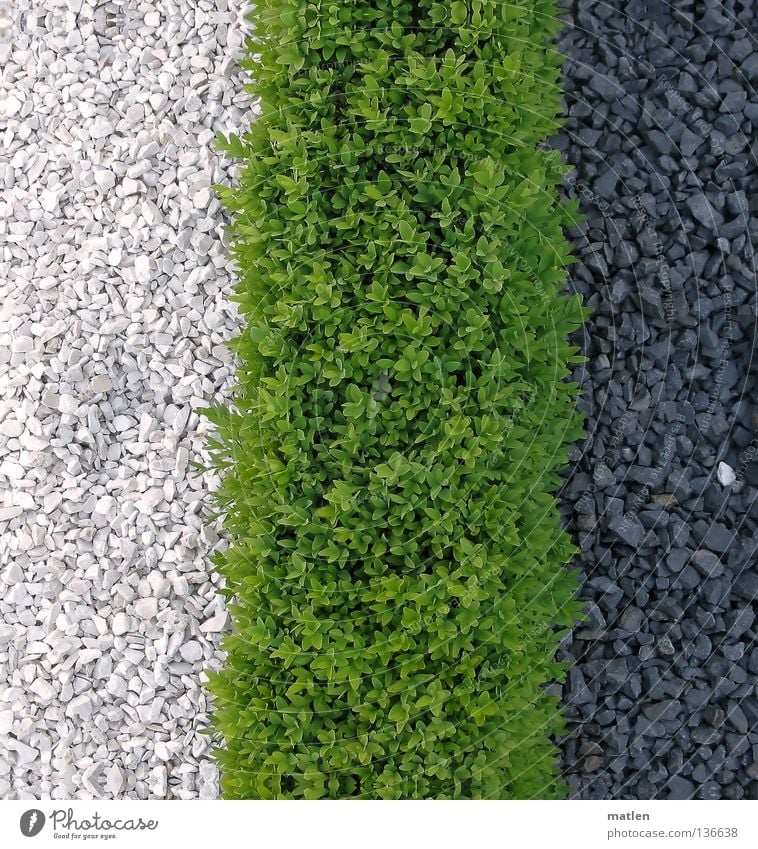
(662,700)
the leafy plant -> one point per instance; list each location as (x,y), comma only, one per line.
(396,572)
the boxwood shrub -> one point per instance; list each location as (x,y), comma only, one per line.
(397,572)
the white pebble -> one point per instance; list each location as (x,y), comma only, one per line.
(146,608)
(120,624)
(8,513)
(68,404)
(191,651)
(101,383)
(80,707)
(116,686)
(105,179)
(11,428)
(6,721)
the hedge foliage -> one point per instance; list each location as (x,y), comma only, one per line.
(397,572)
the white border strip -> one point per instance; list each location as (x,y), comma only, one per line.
(378,825)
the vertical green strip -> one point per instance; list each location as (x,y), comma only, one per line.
(397,573)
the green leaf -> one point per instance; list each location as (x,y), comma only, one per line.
(458,13)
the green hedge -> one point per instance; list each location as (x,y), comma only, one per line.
(397,572)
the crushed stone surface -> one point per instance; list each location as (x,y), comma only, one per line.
(662,499)
(114,311)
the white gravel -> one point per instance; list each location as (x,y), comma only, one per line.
(113,315)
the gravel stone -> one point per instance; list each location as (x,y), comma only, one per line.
(121,624)
(146,608)
(704,212)
(718,537)
(631,619)
(191,651)
(628,530)
(746,586)
(726,474)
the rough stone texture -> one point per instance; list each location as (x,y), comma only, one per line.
(661,499)
(114,311)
